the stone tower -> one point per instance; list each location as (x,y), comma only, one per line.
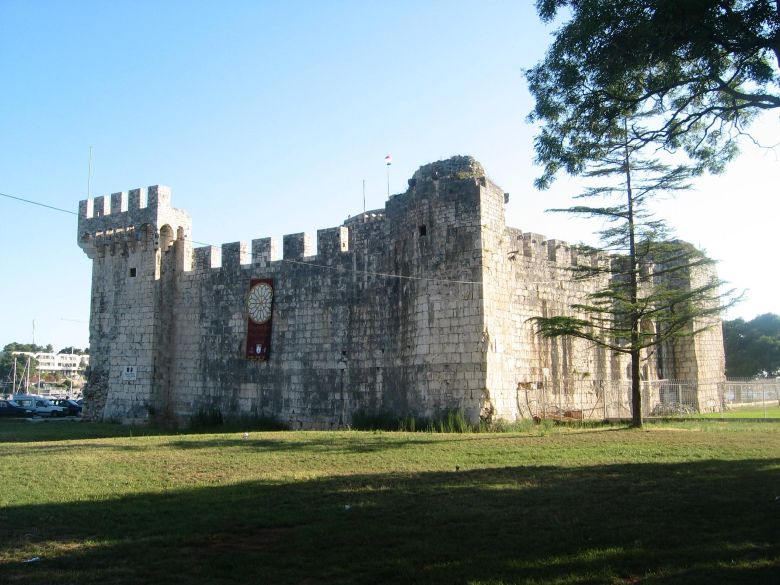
(127,235)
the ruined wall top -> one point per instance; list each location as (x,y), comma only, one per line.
(457,167)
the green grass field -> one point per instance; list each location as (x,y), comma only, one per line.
(768,411)
(694,502)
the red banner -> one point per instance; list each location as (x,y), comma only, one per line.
(259,308)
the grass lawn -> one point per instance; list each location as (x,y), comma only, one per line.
(687,502)
(768,411)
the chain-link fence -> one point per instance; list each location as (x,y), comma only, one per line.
(611,399)
(747,391)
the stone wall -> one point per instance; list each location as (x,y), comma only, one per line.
(418,308)
(528,275)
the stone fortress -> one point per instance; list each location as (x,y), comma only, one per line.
(419,308)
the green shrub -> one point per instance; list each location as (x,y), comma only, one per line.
(453,421)
(206,418)
(254,422)
(525,425)
(211,418)
(363,420)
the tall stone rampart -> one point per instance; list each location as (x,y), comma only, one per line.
(418,308)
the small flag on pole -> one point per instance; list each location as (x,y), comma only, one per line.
(388,162)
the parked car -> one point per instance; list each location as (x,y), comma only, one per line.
(10,408)
(40,405)
(72,408)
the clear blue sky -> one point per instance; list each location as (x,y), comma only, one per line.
(265,117)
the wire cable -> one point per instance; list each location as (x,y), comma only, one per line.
(311,264)
(31,202)
(39,204)
(382,274)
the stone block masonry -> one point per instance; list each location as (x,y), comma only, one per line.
(418,308)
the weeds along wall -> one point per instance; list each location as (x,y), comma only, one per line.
(419,308)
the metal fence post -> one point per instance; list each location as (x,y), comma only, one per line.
(763,397)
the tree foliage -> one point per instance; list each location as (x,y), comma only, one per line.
(74,350)
(752,347)
(651,289)
(7,360)
(28,347)
(624,82)
(701,69)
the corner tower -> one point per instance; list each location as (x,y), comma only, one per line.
(128,235)
(434,244)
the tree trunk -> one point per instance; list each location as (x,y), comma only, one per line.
(633,282)
(636,390)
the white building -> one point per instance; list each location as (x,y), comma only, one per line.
(67,364)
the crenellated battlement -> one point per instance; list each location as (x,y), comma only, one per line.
(138,217)
(207,257)
(296,246)
(538,248)
(262,252)
(130,217)
(151,199)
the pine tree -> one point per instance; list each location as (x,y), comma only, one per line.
(657,288)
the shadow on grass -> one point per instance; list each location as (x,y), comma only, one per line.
(703,522)
(51,431)
(325,441)
(22,431)
(26,431)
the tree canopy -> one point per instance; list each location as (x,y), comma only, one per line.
(622,82)
(650,289)
(701,69)
(7,360)
(752,347)
(28,347)
(74,350)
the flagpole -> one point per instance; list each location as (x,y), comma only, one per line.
(388,162)
(89,175)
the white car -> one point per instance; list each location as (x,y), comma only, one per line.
(39,405)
